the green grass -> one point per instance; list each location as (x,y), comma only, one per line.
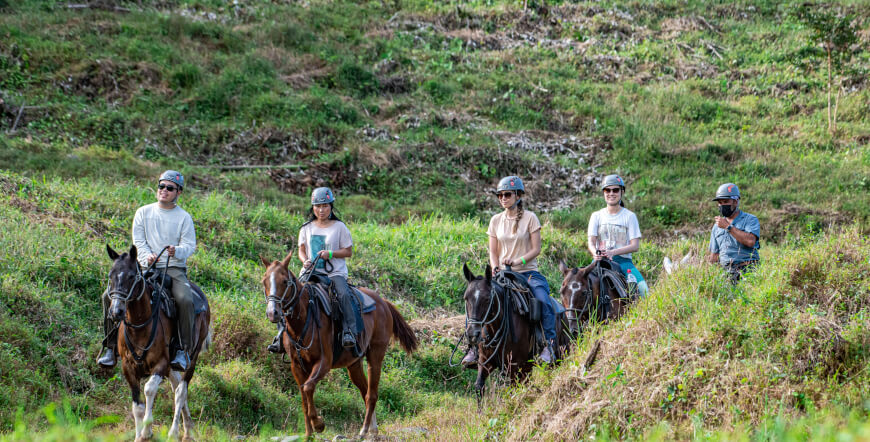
(674,105)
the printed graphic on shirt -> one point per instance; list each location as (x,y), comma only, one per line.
(318,243)
(612,236)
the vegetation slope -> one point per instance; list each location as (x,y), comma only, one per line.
(412,111)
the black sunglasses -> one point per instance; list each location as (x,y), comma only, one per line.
(169,188)
(612,189)
(505,195)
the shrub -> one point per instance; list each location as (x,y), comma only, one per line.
(185,76)
(354,77)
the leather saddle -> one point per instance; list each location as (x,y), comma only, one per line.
(155,278)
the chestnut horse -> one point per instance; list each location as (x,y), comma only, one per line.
(581,295)
(504,338)
(143,343)
(309,339)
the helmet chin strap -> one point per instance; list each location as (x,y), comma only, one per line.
(514,205)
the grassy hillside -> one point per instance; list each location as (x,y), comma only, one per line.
(412,110)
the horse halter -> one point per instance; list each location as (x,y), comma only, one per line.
(573,314)
(282,302)
(120,295)
(482,322)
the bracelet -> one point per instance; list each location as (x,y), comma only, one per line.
(523,260)
(330,254)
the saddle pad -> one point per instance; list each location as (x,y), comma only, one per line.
(200,303)
(368,303)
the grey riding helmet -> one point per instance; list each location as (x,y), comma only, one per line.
(612,180)
(173,176)
(727,191)
(322,195)
(512,182)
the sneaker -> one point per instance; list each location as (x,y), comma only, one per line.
(180,361)
(107,360)
(470,359)
(547,355)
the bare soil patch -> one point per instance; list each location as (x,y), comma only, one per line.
(111,81)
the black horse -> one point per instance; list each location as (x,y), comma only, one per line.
(505,337)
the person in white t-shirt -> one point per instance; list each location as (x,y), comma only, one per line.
(155,226)
(614,232)
(326,237)
(515,240)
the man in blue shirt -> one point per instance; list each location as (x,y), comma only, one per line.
(734,238)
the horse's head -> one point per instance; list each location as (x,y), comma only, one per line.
(126,282)
(576,294)
(478,301)
(280,287)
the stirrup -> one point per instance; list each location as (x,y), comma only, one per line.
(275,346)
(348,340)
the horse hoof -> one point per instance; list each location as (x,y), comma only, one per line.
(318,424)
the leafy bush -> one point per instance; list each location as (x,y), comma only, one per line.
(357,79)
(185,76)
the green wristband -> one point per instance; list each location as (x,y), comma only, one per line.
(330,254)
(523,260)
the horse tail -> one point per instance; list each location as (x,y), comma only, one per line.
(402,331)
(209,340)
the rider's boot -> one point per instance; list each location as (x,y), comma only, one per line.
(546,355)
(275,346)
(180,361)
(470,359)
(107,359)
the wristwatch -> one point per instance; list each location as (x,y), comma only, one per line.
(728,229)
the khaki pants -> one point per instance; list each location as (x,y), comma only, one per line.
(183,296)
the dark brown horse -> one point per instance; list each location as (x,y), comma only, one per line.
(143,343)
(504,338)
(309,339)
(581,296)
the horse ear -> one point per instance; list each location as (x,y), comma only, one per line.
(488,273)
(112,253)
(133,253)
(563,267)
(467,272)
(265,261)
(286,261)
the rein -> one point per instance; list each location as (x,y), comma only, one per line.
(502,302)
(287,309)
(154,319)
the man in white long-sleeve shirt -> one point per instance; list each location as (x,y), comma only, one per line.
(155,226)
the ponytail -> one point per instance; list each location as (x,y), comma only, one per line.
(519,214)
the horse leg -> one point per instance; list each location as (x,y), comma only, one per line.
(137,408)
(151,388)
(316,422)
(480,383)
(358,377)
(181,408)
(300,376)
(175,380)
(181,411)
(376,360)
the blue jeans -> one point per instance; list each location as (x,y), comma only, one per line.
(541,290)
(627,264)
